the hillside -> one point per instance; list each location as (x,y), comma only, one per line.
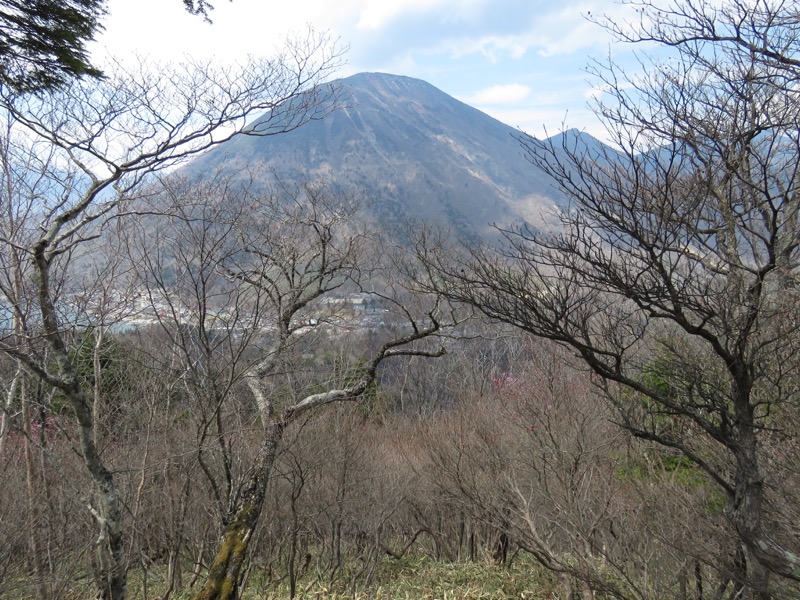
(412,150)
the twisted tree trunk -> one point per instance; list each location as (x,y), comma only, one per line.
(226,569)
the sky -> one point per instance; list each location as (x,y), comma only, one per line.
(521,61)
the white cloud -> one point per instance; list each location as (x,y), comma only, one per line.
(163,29)
(501,94)
(549,32)
(378,13)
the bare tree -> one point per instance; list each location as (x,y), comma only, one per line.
(73,158)
(252,289)
(299,246)
(674,270)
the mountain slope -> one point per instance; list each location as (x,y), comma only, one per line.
(412,150)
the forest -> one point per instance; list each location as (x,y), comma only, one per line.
(214,389)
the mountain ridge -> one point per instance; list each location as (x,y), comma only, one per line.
(415,151)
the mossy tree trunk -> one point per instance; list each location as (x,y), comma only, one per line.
(226,569)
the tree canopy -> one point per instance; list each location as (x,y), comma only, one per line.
(43,42)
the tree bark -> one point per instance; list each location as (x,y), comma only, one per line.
(34,513)
(747,503)
(746,516)
(226,569)
(112,575)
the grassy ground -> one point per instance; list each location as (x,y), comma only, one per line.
(415,578)
(412,578)
(424,579)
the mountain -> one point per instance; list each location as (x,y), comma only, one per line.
(413,151)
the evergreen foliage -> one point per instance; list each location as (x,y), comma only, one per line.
(43,42)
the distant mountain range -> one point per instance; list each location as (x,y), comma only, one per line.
(413,151)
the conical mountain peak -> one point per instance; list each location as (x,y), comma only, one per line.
(412,150)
